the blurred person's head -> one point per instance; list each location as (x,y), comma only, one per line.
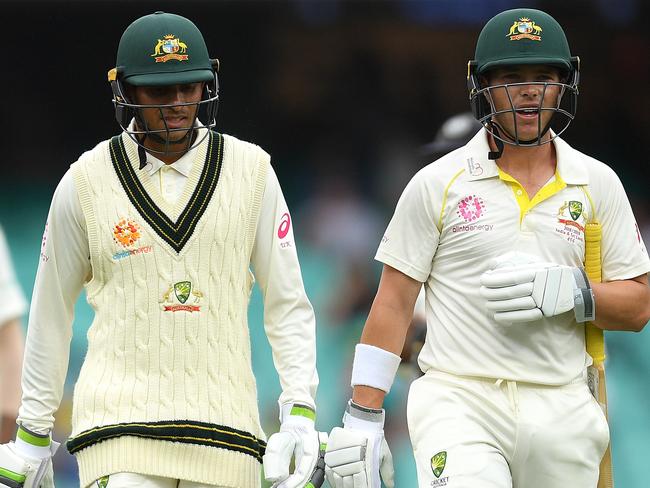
(163,79)
(523,81)
(454,132)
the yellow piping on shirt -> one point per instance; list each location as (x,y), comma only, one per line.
(444,198)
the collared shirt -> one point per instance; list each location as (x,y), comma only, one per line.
(13,300)
(65,266)
(460,212)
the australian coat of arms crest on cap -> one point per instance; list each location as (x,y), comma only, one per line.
(524,28)
(170,47)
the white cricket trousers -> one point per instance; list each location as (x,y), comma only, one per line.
(486,433)
(133,480)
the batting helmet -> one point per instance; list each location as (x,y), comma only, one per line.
(157,50)
(523,37)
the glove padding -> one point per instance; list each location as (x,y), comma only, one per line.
(21,470)
(357,454)
(297,439)
(519,291)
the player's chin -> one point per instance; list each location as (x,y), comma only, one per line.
(176,134)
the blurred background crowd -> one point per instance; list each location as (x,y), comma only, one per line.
(345,95)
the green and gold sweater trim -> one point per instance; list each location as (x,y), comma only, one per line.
(185,431)
(176,234)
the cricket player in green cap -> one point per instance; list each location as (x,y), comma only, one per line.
(161,225)
(497,232)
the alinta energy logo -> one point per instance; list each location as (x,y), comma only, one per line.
(524,28)
(180,297)
(168,48)
(471,208)
(126,233)
(438,463)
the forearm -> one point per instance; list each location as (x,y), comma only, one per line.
(622,305)
(7,428)
(11,357)
(289,320)
(63,269)
(387,325)
(385,329)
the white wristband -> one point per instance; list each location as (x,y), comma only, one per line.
(374,367)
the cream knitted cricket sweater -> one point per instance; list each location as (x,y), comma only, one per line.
(166,387)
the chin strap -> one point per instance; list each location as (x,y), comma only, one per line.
(142,154)
(494,155)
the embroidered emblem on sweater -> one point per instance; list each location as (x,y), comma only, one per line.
(178,300)
(176,234)
(102,482)
(184,431)
(126,233)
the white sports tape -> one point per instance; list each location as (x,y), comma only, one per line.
(374,367)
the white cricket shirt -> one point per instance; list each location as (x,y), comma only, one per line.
(461,211)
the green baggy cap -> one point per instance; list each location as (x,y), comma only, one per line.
(163,49)
(522,36)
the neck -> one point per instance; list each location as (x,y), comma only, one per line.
(531,166)
(157,149)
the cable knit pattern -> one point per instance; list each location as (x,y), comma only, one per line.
(158,349)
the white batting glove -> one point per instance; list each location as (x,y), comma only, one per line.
(518,291)
(27,462)
(297,439)
(357,453)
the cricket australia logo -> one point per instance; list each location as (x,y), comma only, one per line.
(102,482)
(181,297)
(571,221)
(571,209)
(524,28)
(438,463)
(168,48)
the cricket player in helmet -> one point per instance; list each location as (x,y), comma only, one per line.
(526,43)
(496,232)
(161,224)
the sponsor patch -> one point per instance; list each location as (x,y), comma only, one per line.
(471,208)
(126,233)
(44,257)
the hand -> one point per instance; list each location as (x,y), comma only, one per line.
(519,291)
(357,453)
(27,462)
(297,439)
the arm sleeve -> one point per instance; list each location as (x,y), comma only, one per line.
(288,316)
(411,239)
(624,255)
(64,267)
(14,304)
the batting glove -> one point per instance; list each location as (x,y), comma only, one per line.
(357,453)
(27,462)
(519,292)
(297,439)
